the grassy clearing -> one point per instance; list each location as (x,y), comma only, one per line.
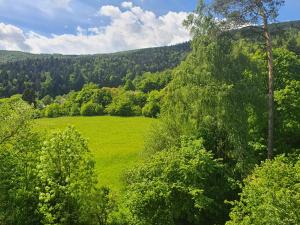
(116,142)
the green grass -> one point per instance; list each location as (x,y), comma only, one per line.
(116,142)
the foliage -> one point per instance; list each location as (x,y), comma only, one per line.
(180,186)
(53,110)
(271,195)
(153,105)
(288,111)
(153,81)
(66,173)
(46,180)
(126,104)
(57,74)
(91,109)
(18,157)
(14,117)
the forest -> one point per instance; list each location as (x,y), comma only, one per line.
(58,74)
(225,148)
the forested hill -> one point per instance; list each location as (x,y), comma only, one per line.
(58,74)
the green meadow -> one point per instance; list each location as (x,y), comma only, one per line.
(116,142)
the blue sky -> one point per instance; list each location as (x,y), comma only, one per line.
(98,26)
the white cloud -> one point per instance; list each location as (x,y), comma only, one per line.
(109,10)
(12,38)
(127,4)
(130,28)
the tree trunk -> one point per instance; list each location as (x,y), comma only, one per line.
(271,86)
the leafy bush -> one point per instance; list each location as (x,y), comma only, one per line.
(180,186)
(91,109)
(75,110)
(271,195)
(123,105)
(152,107)
(67,179)
(53,110)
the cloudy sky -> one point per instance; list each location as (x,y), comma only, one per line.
(98,26)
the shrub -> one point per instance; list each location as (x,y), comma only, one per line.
(271,195)
(53,110)
(151,109)
(180,186)
(91,109)
(75,110)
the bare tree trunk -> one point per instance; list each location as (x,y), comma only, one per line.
(271,86)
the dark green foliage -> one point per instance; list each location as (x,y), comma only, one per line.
(91,109)
(129,86)
(57,74)
(240,12)
(29,96)
(182,185)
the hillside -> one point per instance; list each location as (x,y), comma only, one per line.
(58,74)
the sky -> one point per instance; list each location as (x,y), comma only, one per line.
(99,26)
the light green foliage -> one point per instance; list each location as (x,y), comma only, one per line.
(115,142)
(271,195)
(153,105)
(75,110)
(183,185)
(18,156)
(212,95)
(14,117)
(53,110)
(126,104)
(47,180)
(153,81)
(87,93)
(92,101)
(66,173)
(288,108)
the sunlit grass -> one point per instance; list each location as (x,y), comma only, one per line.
(116,142)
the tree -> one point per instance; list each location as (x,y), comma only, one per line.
(15,115)
(183,185)
(67,179)
(271,195)
(19,147)
(244,12)
(129,86)
(53,110)
(29,96)
(91,109)
(152,107)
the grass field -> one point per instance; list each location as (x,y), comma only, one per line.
(116,142)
